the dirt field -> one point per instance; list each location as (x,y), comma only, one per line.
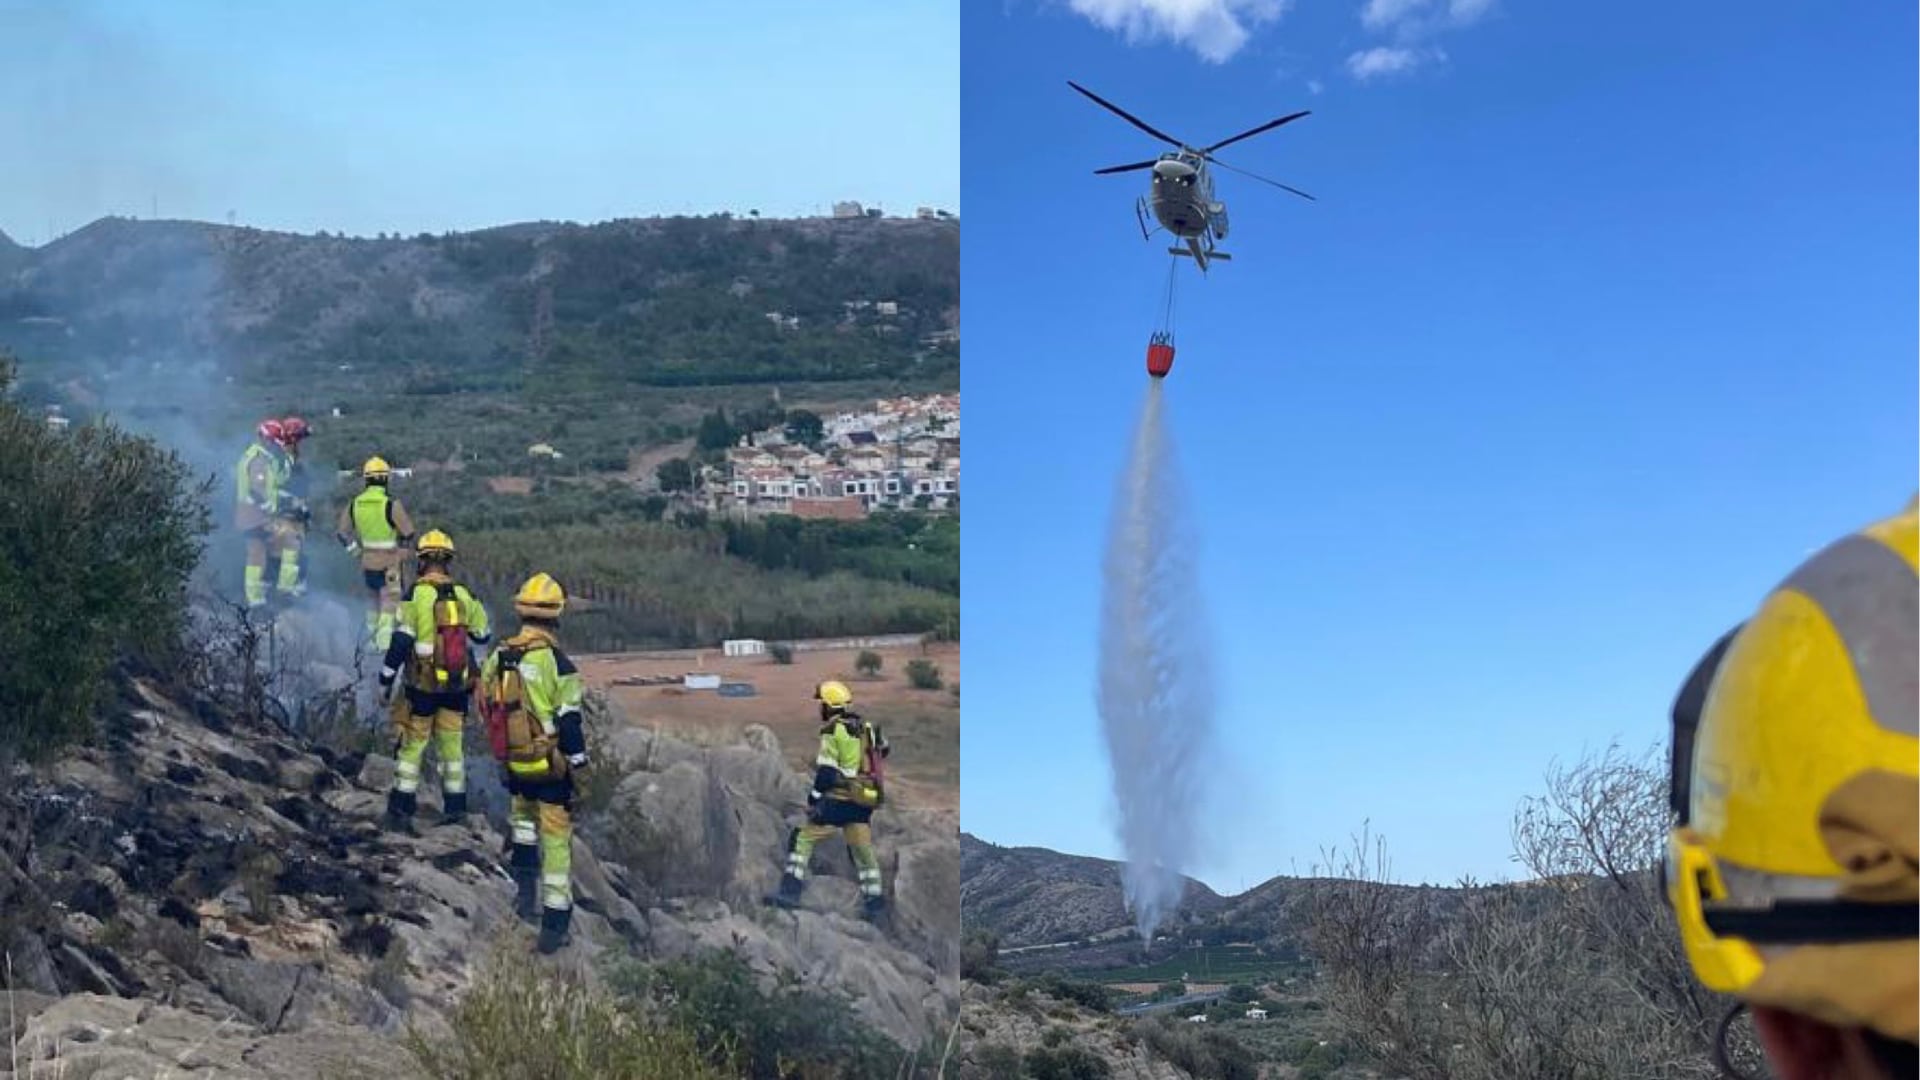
(922,725)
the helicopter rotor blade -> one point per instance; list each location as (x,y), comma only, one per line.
(1127,168)
(1268,126)
(1262,179)
(1127,116)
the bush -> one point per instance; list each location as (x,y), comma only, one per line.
(980,957)
(1208,1053)
(782,654)
(99,531)
(522,1020)
(1066,1063)
(868,663)
(791,1031)
(923,674)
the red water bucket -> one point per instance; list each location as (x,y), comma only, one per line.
(1159,359)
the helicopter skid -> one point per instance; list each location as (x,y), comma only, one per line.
(1211,255)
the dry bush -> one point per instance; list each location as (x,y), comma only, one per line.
(1576,974)
(1376,942)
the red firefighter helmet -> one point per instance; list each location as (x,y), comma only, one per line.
(271,431)
(294,429)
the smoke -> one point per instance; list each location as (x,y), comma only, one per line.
(148,348)
(1155,690)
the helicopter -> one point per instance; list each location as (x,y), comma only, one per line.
(1181,196)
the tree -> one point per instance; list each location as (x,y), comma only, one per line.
(715,432)
(868,663)
(675,475)
(805,427)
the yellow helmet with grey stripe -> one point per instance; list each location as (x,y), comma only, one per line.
(1796,787)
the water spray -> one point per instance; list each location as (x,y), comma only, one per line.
(1155,692)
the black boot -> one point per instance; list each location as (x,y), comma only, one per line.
(525,867)
(789,894)
(554,923)
(401,806)
(874,908)
(453,809)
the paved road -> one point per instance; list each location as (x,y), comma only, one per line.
(1171,1003)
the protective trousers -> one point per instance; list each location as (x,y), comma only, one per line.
(541,817)
(442,718)
(384,605)
(282,540)
(859,844)
(284,544)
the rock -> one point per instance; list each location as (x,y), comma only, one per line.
(376,773)
(107,1038)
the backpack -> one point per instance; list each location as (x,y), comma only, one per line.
(452,664)
(517,738)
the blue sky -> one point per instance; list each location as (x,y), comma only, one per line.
(365,117)
(1605,319)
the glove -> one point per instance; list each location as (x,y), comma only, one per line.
(576,761)
(386,686)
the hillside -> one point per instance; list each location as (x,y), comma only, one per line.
(201,888)
(545,307)
(1031,896)
(616,347)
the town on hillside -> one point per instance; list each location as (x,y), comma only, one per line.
(899,454)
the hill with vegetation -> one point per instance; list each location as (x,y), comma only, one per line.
(620,347)
(1574,971)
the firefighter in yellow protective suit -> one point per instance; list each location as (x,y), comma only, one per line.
(1794,869)
(290,525)
(846,789)
(531,695)
(440,625)
(261,501)
(374,526)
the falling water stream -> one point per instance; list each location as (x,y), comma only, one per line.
(1154,690)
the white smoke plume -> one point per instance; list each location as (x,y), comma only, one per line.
(1155,691)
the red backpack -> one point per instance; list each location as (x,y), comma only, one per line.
(452,664)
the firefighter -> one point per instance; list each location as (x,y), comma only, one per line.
(440,625)
(847,787)
(1796,773)
(374,526)
(261,503)
(531,694)
(290,525)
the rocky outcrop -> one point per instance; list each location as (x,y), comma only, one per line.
(191,886)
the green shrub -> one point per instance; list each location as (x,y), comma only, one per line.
(997,1061)
(980,957)
(782,654)
(99,531)
(868,663)
(1200,1050)
(790,1031)
(1066,1063)
(923,674)
(523,1020)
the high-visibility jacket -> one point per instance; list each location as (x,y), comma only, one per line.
(415,628)
(377,521)
(548,687)
(258,482)
(842,767)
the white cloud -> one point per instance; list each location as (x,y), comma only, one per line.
(1383,13)
(1384,60)
(1462,12)
(1315,86)
(1215,29)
